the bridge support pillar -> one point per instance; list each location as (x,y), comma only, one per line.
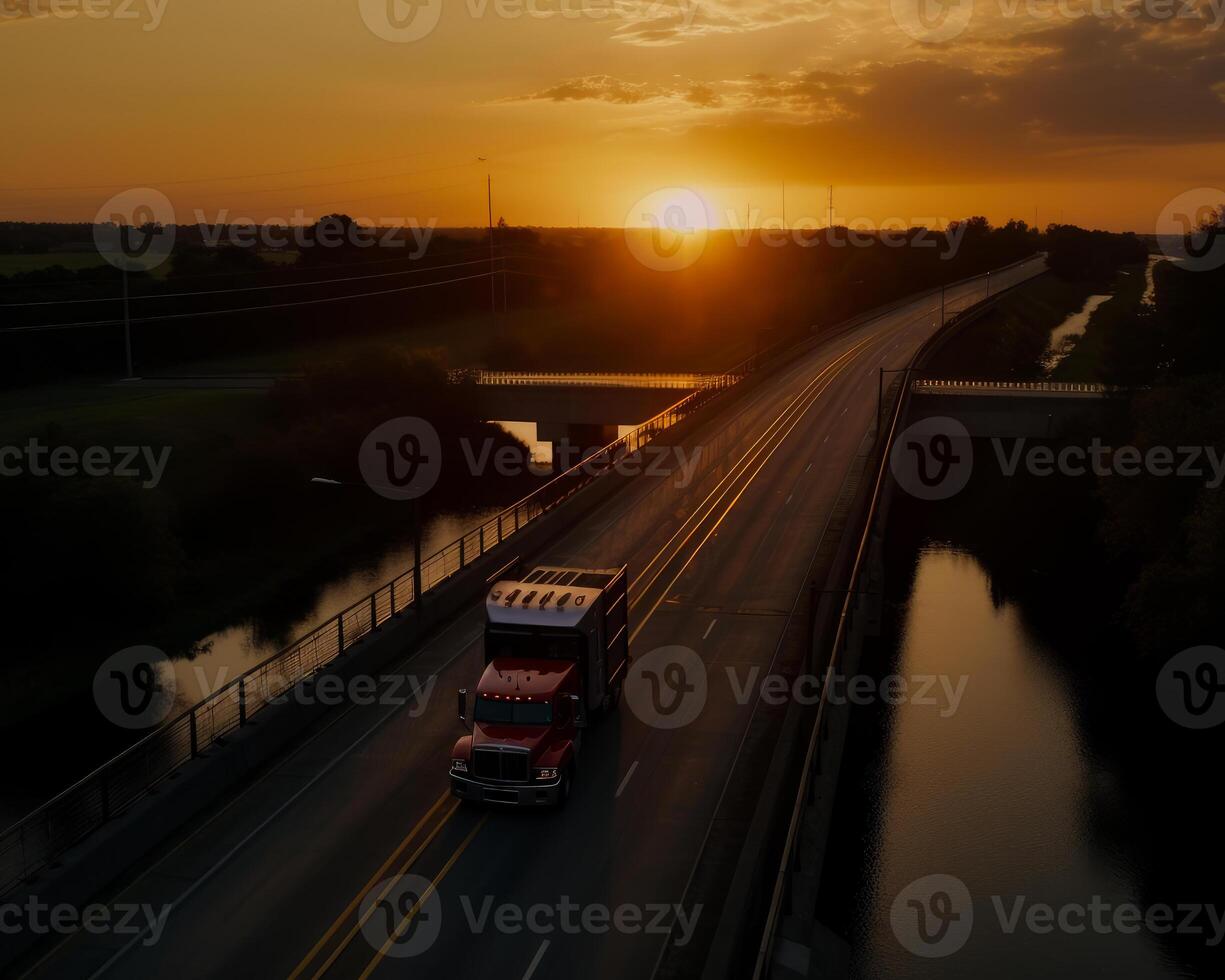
(574,441)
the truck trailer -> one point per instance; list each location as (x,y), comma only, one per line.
(556,655)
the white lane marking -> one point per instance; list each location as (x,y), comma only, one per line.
(629,774)
(531,967)
(225,859)
(711,626)
(823,442)
(809,466)
(789,496)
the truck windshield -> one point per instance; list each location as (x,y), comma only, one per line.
(514,712)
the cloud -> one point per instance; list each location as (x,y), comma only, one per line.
(1084,89)
(657,23)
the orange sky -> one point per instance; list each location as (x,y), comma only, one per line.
(585,106)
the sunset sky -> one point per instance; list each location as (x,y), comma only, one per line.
(589,105)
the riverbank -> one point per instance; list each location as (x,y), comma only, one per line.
(1054,780)
(1013,342)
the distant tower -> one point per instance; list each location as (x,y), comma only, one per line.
(831,205)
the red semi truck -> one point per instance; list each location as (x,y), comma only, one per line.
(556,653)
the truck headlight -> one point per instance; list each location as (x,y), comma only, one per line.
(545,774)
(459,765)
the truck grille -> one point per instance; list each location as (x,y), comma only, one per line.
(508,766)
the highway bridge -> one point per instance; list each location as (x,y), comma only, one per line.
(286,876)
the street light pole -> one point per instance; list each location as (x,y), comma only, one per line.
(127,327)
(493,285)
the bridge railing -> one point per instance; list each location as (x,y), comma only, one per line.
(927,386)
(29,846)
(815,756)
(587,379)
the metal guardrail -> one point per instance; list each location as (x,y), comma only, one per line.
(812,758)
(586,379)
(35,842)
(928,386)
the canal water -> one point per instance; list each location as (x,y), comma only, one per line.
(1016,792)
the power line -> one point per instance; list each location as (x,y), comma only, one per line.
(245,289)
(246,309)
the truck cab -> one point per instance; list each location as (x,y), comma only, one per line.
(556,653)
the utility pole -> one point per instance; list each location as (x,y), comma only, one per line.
(942,306)
(127,327)
(493,279)
(784,203)
(831,205)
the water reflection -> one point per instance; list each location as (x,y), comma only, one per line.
(1000,795)
(1065,336)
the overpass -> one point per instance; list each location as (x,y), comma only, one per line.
(276,873)
(1012,409)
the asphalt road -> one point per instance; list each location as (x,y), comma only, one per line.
(285,879)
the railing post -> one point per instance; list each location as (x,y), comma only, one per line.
(374,613)
(481,538)
(195,738)
(340,634)
(393,597)
(499,528)
(242,701)
(461,551)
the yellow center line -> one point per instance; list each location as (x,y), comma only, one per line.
(813,388)
(374,880)
(399,929)
(740,466)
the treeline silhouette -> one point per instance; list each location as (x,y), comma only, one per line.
(734,292)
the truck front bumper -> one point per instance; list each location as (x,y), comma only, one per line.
(529,794)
